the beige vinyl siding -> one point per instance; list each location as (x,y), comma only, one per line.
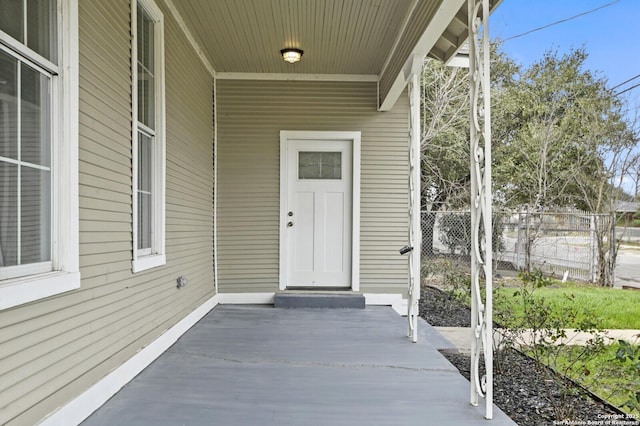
(420,19)
(54,349)
(251,115)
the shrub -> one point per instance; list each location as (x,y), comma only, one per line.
(629,355)
(455,232)
(541,333)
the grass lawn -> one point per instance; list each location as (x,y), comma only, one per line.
(604,375)
(613,308)
(609,308)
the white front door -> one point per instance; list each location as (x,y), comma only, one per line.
(318,218)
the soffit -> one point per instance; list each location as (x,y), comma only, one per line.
(337,36)
(453,40)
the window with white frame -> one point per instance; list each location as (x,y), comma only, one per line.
(148,135)
(38,150)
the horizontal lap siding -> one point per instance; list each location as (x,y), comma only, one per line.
(189,214)
(52,350)
(251,115)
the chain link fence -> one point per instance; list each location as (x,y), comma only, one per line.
(628,235)
(558,243)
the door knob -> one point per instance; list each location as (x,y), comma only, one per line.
(290,224)
(290,213)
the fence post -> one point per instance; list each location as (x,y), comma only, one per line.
(613,249)
(593,245)
(522,237)
(527,242)
(518,240)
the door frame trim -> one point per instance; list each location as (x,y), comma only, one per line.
(354,137)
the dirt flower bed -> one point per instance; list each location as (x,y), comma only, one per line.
(519,391)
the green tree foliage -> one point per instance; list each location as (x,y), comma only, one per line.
(445,109)
(563,136)
(560,139)
(565,142)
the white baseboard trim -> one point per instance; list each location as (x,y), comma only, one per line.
(246,298)
(394,300)
(82,406)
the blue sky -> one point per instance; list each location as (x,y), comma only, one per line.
(610,35)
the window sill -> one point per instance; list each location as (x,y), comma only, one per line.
(148,262)
(23,290)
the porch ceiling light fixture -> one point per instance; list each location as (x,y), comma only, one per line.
(291,55)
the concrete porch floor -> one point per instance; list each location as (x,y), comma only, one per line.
(257,365)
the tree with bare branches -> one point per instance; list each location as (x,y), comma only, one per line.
(445,109)
(444,141)
(566,143)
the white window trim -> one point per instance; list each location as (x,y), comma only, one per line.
(65,207)
(157,257)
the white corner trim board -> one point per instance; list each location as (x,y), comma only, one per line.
(394,300)
(82,406)
(246,298)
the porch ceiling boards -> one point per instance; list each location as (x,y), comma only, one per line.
(337,36)
(355,37)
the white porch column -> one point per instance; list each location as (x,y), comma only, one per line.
(415,232)
(481,201)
